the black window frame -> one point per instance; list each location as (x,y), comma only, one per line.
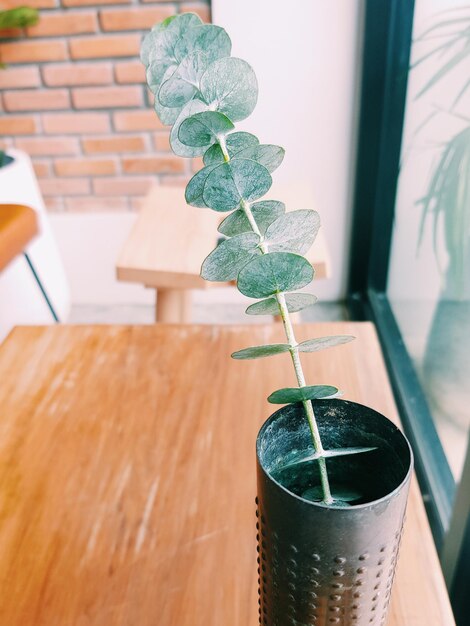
(388,28)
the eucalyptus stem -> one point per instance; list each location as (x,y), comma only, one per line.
(294,352)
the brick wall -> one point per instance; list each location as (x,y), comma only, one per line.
(74,97)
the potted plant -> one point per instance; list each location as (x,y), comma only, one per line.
(333,475)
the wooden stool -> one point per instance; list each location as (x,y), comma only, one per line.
(167,246)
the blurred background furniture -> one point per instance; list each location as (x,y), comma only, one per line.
(20,300)
(167,245)
(18,227)
(113,489)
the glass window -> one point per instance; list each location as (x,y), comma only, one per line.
(429,272)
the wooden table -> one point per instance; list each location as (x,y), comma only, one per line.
(167,246)
(127,474)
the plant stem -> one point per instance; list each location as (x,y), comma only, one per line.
(294,352)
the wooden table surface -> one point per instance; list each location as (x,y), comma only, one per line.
(127,474)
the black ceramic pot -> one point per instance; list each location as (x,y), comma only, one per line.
(318,565)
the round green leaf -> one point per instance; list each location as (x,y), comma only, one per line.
(301,394)
(194,106)
(235,142)
(182,85)
(158,47)
(264,213)
(258,352)
(266,154)
(167,116)
(273,273)
(229,257)
(320,343)
(208,38)
(298,459)
(230,85)
(231,182)
(195,187)
(293,232)
(203,129)
(295,302)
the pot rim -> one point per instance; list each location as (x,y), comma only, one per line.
(353,507)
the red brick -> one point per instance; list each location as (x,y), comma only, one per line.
(174,181)
(34,100)
(15,77)
(60,23)
(20,125)
(105,47)
(202,10)
(36,4)
(73,123)
(110,145)
(84,167)
(65,74)
(40,146)
(93,203)
(33,51)
(161,141)
(131,72)
(42,168)
(136,120)
(84,3)
(135,18)
(104,98)
(126,186)
(64,186)
(152,165)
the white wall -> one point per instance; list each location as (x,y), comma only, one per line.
(306,56)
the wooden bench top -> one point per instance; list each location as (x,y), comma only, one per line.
(170,240)
(127,474)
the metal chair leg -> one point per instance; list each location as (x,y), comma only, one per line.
(41,287)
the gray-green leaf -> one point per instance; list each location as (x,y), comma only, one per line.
(208,38)
(194,106)
(320,343)
(195,187)
(183,84)
(230,85)
(300,394)
(231,182)
(229,257)
(264,213)
(203,129)
(258,352)
(266,154)
(295,302)
(235,142)
(158,47)
(327,454)
(293,232)
(273,273)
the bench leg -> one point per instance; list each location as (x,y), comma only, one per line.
(173,306)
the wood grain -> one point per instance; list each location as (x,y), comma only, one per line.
(18,226)
(127,474)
